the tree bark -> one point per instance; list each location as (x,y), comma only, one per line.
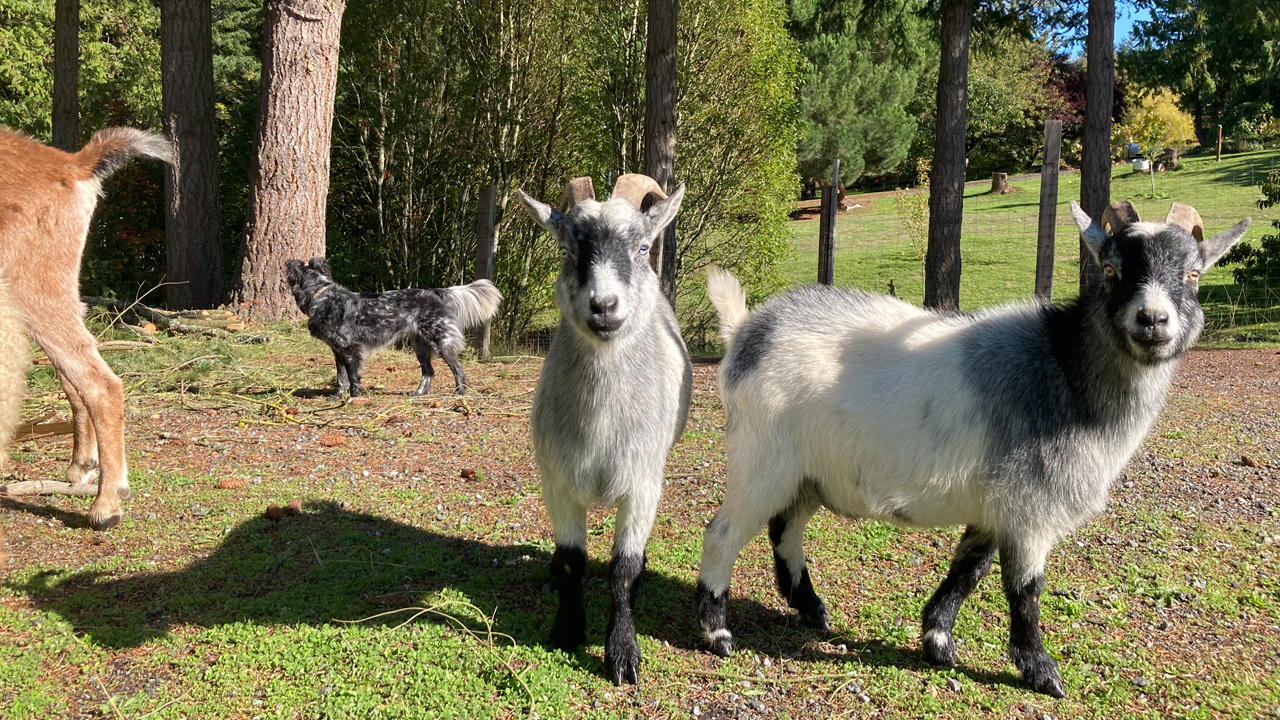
(66,73)
(660,123)
(289,172)
(1095,160)
(192,230)
(946,186)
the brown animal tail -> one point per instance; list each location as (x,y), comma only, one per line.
(111,149)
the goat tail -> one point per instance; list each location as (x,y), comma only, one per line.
(474,304)
(731,302)
(13,363)
(111,149)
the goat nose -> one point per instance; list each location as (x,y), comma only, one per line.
(1152,318)
(604,304)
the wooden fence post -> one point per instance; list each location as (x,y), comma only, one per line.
(1048,209)
(486,249)
(827,227)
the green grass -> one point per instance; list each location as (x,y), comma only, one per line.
(998,241)
(199,606)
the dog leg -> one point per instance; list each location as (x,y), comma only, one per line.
(355,363)
(449,352)
(344,383)
(422,349)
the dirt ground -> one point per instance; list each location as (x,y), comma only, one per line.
(204,462)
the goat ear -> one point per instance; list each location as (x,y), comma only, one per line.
(1091,232)
(661,213)
(547,217)
(1212,249)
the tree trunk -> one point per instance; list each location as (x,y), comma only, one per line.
(66,73)
(660,123)
(999,183)
(289,172)
(1095,160)
(193,242)
(946,186)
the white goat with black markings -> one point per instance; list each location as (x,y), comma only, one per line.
(612,399)
(1012,421)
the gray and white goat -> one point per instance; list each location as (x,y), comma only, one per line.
(612,399)
(1013,421)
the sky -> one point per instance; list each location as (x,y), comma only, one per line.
(1126,14)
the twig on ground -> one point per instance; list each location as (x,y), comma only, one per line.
(486,638)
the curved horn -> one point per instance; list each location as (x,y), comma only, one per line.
(1186,217)
(634,188)
(577,190)
(1117,215)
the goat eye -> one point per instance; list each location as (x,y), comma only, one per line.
(1194,276)
(1108,271)
(644,249)
(564,253)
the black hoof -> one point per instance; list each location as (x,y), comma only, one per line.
(938,648)
(816,618)
(622,661)
(1041,673)
(722,646)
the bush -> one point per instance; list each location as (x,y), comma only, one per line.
(1260,265)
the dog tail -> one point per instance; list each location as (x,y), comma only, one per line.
(474,304)
(13,363)
(113,148)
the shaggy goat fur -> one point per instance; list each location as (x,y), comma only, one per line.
(46,200)
(1013,421)
(612,400)
(353,325)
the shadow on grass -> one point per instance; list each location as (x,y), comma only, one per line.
(328,564)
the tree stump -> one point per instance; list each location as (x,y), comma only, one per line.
(999,183)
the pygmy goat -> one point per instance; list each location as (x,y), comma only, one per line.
(1012,421)
(353,325)
(612,400)
(46,200)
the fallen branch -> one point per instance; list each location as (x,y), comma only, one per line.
(48,487)
(161,319)
(31,431)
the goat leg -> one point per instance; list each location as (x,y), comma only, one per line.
(971,563)
(622,652)
(1026,649)
(568,569)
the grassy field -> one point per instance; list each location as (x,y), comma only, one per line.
(998,245)
(202,606)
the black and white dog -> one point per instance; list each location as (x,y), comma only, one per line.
(356,324)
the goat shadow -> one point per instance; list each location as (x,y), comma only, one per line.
(328,564)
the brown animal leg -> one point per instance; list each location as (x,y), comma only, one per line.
(83,469)
(75,356)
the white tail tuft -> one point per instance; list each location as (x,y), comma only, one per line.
(731,302)
(13,363)
(474,304)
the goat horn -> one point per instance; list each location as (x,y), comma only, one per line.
(634,188)
(577,190)
(1186,217)
(1117,215)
